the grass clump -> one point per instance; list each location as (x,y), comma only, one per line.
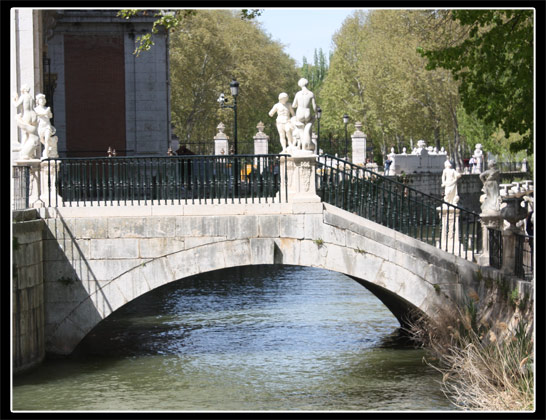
(483,368)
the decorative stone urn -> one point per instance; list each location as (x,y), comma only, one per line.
(513,212)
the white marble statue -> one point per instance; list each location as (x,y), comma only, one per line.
(478,157)
(404,151)
(28,122)
(443,151)
(449,181)
(284,112)
(46,131)
(303,100)
(421,145)
(491,199)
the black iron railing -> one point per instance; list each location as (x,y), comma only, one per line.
(399,207)
(495,248)
(165,180)
(21,187)
(524,257)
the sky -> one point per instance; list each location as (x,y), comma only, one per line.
(302,30)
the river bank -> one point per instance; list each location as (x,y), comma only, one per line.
(485,350)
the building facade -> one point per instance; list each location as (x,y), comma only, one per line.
(101,94)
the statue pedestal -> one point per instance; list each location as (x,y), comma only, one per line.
(42,183)
(449,241)
(493,221)
(35,181)
(300,176)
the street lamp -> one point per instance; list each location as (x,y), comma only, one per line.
(234,88)
(319,114)
(346,121)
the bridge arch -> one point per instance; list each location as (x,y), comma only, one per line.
(111,273)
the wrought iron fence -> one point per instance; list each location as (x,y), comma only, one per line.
(167,180)
(399,207)
(524,257)
(495,248)
(21,187)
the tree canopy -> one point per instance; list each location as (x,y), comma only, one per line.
(207,50)
(494,64)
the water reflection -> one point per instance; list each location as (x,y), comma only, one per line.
(256,338)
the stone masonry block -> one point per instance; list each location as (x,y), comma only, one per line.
(113,248)
(156,247)
(262,251)
(292,226)
(269,226)
(242,227)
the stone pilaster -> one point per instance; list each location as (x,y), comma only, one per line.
(221,146)
(261,141)
(358,145)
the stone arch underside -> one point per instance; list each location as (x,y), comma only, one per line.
(401,272)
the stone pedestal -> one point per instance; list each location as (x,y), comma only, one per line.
(300,171)
(35,182)
(42,183)
(358,145)
(493,221)
(450,228)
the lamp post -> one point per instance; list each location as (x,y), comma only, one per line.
(319,114)
(346,121)
(234,88)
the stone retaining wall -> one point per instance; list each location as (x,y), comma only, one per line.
(27,290)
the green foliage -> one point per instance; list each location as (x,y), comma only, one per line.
(319,242)
(207,51)
(316,72)
(494,64)
(377,77)
(169,20)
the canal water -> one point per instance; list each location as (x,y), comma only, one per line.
(262,338)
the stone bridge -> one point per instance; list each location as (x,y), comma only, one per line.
(96,259)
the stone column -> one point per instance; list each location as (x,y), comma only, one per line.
(261,141)
(300,172)
(450,228)
(221,146)
(358,145)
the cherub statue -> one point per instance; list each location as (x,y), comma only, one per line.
(284,112)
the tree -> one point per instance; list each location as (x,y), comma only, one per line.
(377,76)
(315,73)
(494,64)
(207,50)
(169,20)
